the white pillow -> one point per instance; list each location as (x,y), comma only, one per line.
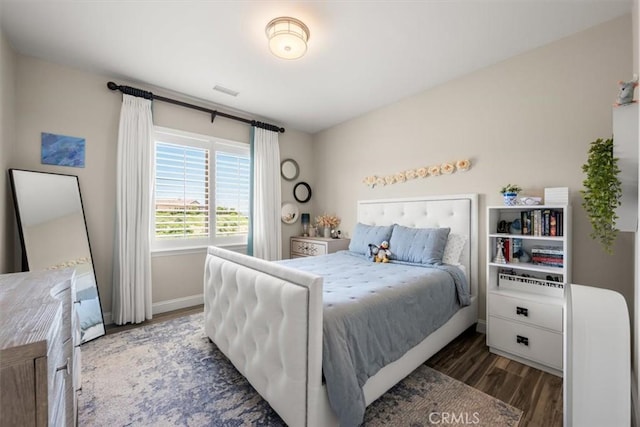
(453,248)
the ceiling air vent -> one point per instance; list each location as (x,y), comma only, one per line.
(225,90)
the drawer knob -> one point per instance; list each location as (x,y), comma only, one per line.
(522,340)
(521,311)
(66,367)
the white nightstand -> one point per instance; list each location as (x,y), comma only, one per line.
(312,246)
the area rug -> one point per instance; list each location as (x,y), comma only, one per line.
(169,374)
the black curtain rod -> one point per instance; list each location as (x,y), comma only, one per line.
(214,113)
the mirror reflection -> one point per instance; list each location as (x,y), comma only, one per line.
(289,169)
(54,236)
(302,192)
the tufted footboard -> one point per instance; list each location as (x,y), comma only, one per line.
(267,319)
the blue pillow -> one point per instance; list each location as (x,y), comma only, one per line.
(364,234)
(418,245)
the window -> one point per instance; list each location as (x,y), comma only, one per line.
(201,191)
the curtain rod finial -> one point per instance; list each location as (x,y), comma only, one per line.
(112,86)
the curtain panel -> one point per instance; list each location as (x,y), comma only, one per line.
(266,228)
(132,258)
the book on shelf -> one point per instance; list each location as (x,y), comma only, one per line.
(553,250)
(542,222)
(552,256)
(511,248)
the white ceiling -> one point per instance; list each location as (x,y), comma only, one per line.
(362,54)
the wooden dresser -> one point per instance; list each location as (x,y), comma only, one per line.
(39,349)
(312,246)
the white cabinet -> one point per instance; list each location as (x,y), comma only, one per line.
(625,148)
(313,246)
(525,285)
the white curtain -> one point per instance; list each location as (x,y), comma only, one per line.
(132,259)
(267,228)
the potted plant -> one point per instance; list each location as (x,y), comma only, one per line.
(602,192)
(510,193)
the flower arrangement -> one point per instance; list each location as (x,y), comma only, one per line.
(330,221)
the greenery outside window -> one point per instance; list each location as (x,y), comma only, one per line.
(201,191)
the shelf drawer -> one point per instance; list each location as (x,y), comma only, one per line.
(306,248)
(526,311)
(532,343)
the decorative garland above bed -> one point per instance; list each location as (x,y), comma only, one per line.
(446,168)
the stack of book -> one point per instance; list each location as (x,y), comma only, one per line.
(511,249)
(547,255)
(542,222)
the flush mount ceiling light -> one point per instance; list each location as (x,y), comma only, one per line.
(287,37)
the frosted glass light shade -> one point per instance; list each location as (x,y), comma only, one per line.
(287,37)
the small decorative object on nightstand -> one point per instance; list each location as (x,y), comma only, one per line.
(327,223)
(305,219)
(312,246)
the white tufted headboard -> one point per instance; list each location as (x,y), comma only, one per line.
(459,212)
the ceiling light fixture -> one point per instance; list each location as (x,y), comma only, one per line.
(287,37)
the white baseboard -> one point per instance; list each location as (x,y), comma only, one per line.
(164,306)
(481,326)
(178,303)
(107,318)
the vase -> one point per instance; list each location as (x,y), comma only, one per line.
(326,232)
(509,198)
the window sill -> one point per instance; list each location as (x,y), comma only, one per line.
(195,250)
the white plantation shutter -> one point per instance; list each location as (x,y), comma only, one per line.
(232,194)
(201,193)
(182,192)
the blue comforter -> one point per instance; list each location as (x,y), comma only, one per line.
(373,314)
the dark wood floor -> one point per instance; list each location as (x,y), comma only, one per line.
(538,394)
(467,359)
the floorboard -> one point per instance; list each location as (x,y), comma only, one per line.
(538,394)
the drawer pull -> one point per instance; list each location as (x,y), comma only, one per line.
(522,340)
(521,311)
(65,367)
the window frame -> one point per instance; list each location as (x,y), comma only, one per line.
(214,145)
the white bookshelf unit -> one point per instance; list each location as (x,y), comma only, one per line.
(525,296)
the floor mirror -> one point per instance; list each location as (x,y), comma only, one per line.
(54,235)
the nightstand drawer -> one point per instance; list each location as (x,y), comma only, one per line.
(307,248)
(526,311)
(527,341)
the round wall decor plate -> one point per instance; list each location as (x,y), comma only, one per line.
(289,213)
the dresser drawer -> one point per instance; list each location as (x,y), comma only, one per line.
(307,248)
(526,311)
(527,341)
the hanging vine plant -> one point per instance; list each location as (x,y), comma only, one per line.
(602,192)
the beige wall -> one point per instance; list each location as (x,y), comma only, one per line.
(528,120)
(7,117)
(58,99)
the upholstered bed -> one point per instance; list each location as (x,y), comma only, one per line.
(267,318)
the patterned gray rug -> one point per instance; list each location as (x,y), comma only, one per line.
(169,374)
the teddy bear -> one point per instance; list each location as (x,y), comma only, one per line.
(383,252)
